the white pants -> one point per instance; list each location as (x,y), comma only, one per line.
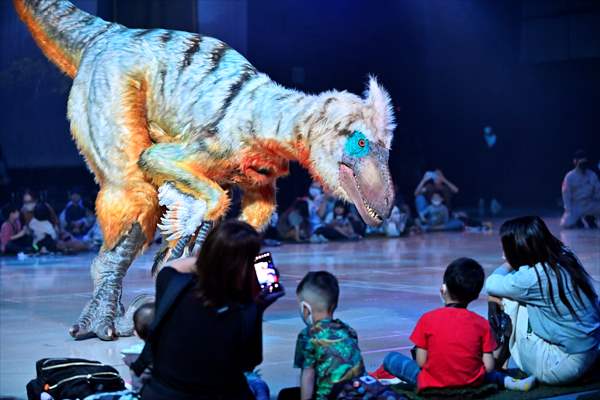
(546,361)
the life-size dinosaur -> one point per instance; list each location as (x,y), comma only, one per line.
(169,118)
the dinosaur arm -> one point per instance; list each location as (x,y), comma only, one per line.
(258,205)
(178,163)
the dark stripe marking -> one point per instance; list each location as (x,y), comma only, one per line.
(166,36)
(248,72)
(43,10)
(97,34)
(194,46)
(216,55)
(143,33)
(70,10)
(163,74)
(87,19)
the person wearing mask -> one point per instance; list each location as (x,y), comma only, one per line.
(580,193)
(432,182)
(490,172)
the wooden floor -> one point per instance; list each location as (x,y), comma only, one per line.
(386,284)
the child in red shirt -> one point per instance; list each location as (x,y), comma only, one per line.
(454,345)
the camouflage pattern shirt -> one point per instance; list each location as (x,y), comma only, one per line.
(331,348)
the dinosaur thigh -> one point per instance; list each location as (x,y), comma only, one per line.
(108,122)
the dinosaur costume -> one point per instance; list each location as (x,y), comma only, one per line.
(169,118)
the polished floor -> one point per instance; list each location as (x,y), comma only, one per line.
(386,284)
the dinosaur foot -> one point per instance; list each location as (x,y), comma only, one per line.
(107,319)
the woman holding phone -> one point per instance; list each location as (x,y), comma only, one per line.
(212,333)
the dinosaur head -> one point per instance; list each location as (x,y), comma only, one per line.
(349,149)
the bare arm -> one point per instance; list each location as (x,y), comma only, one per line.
(488,362)
(307,383)
(420,185)
(451,185)
(421,356)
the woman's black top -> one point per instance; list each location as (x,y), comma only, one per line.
(202,350)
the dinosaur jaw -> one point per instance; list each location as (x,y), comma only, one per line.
(359,194)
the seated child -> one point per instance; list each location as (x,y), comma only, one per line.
(436,216)
(327,349)
(454,345)
(137,360)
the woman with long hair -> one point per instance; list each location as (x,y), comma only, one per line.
(551,301)
(212,332)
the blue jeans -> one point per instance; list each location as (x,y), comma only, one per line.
(408,370)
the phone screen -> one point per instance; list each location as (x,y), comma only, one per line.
(266,273)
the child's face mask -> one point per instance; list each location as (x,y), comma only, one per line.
(306,313)
(436,202)
(443,290)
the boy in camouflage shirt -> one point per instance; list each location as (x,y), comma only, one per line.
(327,349)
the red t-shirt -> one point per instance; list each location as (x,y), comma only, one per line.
(455,340)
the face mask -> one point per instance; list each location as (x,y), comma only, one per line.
(442,291)
(436,202)
(29,206)
(314,192)
(308,320)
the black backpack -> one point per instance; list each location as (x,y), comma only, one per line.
(72,378)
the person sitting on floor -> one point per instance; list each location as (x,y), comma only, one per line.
(140,362)
(14,238)
(293,225)
(45,236)
(436,216)
(76,218)
(433,181)
(337,224)
(453,345)
(580,193)
(327,349)
(551,301)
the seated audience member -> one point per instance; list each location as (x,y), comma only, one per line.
(14,238)
(436,216)
(356,220)
(293,224)
(271,235)
(45,236)
(453,345)
(212,334)
(140,363)
(44,233)
(317,202)
(327,349)
(76,218)
(551,301)
(580,193)
(432,182)
(338,225)
(30,200)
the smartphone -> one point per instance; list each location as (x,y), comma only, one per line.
(267,274)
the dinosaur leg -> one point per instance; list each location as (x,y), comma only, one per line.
(108,269)
(190,196)
(258,205)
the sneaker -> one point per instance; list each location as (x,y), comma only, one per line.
(323,239)
(384,377)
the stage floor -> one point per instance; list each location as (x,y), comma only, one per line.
(386,284)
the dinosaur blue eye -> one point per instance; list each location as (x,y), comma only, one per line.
(357,145)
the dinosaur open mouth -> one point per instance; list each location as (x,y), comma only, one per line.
(351,186)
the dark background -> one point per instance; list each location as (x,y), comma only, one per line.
(530,69)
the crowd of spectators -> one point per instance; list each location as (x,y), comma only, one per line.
(33,227)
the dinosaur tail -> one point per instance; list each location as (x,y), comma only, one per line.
(61,30)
